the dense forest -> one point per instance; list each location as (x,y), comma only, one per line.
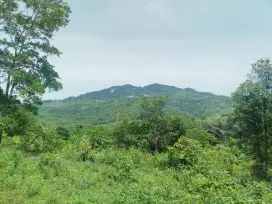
(108,105)
(154,144)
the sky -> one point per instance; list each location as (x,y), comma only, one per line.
(208,45)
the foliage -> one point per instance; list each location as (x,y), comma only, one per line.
(153,131)
(184,153)
(192,160)
(203,136)
(50,165)
(16,122)
(253,113)
(132,134)
(205,160)
(210,175)
(63,133)
(84,149)
(101,107)
(28,27)
(163,131)
(221,127)
(99,138)
(40,138)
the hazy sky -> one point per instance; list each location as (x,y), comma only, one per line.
(207,45)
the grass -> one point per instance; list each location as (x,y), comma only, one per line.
(116,176)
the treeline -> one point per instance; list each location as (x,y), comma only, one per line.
(193,160)
(155,158)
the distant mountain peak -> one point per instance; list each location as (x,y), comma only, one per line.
(159,85)
(129,91)
(190,90)
(99,106)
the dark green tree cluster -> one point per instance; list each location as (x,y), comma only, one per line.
(253,114)
(153,130)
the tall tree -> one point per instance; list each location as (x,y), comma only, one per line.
(27,28)
(253,111)
(153,114)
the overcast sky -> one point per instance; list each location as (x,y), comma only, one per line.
(207,45)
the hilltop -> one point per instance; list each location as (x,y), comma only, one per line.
(100,107)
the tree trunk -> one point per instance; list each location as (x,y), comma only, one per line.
(266,140)
(8,85)
(266,153)
(156,144)
(259,154)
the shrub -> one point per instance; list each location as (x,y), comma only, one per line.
(50,165)
(15,123)
(202,136)
(63,133)
(10,159)
(84,150)
(132,134)
(41,139)
(184,154)
(172,129)
(98,138)
(150,135)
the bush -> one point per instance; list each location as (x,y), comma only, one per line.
(10,160)
(172,129)
(132,134)
(63,133)
(84,150)
(98,138)
(15,123)
(40,138)
(146,135)
(50,165)
(184,154)
(202,136)
(124,166)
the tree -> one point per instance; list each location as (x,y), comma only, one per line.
(202,136)
(163,130)
(152,113)
(253,112)
(120,113)
(222,127)
(184,154)
(25,47)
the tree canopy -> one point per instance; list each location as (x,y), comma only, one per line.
(253,112)
(28,27)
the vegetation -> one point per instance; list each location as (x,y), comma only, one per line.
(187,173)
(103,107)
(253,110)
(27,27)
(155,146)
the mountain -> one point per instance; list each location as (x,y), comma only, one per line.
(126,91)
(100,107)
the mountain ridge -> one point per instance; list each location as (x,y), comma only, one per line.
(134,87)
(99,107)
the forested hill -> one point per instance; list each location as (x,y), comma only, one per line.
(101,107)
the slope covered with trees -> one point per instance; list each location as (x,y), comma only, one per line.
(148,151)
(102,107)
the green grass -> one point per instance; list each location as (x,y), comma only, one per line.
(124,176)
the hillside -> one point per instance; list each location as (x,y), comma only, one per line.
(101,107)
